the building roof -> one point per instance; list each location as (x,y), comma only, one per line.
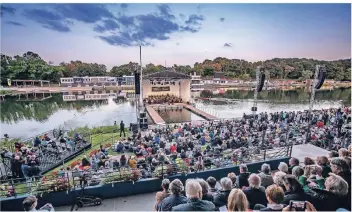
(219,75)
(166,75)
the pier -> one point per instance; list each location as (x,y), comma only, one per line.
(156,118)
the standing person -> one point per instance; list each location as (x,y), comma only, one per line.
(122,129)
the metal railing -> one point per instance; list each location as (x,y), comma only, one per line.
(142,169)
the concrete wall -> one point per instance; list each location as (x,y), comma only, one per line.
(185,91)
(127,188)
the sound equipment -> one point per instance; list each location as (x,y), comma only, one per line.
(143,115)
(134,127)
(321,77)
(261,82)
(137,83)
(254,109)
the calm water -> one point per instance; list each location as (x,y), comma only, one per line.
(27,119)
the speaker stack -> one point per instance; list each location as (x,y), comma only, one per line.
(142,120)
(321,77)
(137,82)
(261,81)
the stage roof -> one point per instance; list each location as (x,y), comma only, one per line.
(169,75)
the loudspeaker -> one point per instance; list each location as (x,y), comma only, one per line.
(142,115)
(133,127)
(321,77)
(137,83)
(254,109)
(261,82)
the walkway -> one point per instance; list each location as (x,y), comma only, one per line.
(154,115)
(198,112)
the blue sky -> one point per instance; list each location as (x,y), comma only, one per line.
(176,33)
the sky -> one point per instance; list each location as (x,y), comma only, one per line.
(180,34)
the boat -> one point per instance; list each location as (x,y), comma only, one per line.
(197,83)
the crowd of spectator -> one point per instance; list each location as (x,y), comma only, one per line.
(323,184)
(162,99)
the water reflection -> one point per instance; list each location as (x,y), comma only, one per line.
(26,119)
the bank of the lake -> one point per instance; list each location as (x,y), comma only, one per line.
(27,119)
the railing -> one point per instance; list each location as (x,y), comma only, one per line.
(67,181)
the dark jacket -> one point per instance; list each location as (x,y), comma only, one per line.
(171,201)
(220,199)
(267,179)
(214,190)
(208,197)
(298,196)
(324,200)
(326,171)
(195,205)
(255,196)
(242,180)
(290,169)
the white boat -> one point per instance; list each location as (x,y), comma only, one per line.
(197,83)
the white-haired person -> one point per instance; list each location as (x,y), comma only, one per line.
(242,178)
(221,198)
(195,203)
(333,197)
(279,179)
(176,198)
(237,201)
(265,175)
(255,193)
(283,167)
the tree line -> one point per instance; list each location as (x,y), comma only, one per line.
(31,66)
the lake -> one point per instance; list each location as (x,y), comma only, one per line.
(27,119)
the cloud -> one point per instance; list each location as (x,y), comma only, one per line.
(48,19)
(7,10)
(194,19)
(87,13)
(126,20)
(182,16)
(222,19)
(14,23)
(108,25)
(165,11)
(200,8)
(228,45)
(177,44)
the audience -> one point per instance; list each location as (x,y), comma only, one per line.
(176,197)
(274,195)
(255,193)
(194,194)
(242,178)
(265,175)
(237,201)
(212,183)
(220,199)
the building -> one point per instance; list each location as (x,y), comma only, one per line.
(96,81)
(219,77)
(167,82)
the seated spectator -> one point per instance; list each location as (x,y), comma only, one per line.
(237,201)
(279,179)
(120,147)
(333,154)
(220,199)
(293,163)
(294,190)
(30,204)
(265,175)
(176,197)
(297,171)
(194,194)
(255,193)
(275,195)
(324,163)
(205,190)
(308,161)
(333,197)
(85,161)
(242,178)
(340,167)
(283,167)
(123,161)
(212,183)
(132,163)
(164,193)
(233,178)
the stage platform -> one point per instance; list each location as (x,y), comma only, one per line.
(145,202)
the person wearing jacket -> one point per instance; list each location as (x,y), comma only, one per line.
(333,197)
(275,195)
(212,184)
(255,193)
(195,203)
(293,162)
(294,190)
(265,175)
(242,178)
(176,197)
(205,190)
(340,167)
(323,161)
(221,198)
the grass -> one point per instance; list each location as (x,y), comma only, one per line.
(97,140)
